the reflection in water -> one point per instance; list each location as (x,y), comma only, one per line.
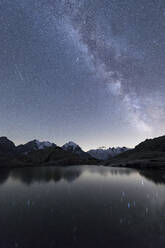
(4,174)
(47,174)
(156,176)
(82,206)
(71,173)
(44,174)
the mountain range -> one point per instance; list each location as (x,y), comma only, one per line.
(10,151)
(36,153)
(148,154)
(105,154)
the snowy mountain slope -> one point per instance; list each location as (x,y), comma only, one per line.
(34,145)
(105,154)
(76,149)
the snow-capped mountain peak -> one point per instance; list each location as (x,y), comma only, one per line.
(76,149)
(105,154)
(43,144)
(71,146)
(34,145)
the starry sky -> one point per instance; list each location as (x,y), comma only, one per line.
(89,71)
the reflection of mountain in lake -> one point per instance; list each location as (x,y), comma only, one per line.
(156,176)
(89,204)
(48,174)
(4,175)
(32,175)
(70,174)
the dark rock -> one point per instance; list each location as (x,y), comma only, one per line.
(148,154)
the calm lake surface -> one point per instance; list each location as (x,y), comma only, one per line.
(82,206)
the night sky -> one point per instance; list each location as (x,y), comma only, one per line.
(90,71)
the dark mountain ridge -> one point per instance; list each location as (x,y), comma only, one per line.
(36,153)
(76,149)
(6,145)
(34,145)
(148,154)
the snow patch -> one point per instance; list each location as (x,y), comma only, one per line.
(70,145)
(43,144)
(105,154)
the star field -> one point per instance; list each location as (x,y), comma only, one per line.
(88,71)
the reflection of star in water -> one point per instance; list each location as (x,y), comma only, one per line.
(28,203)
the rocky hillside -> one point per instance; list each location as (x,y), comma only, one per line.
(57,156)
(148,154)
(6,146)
(76,149)
(34,145)
(36,153)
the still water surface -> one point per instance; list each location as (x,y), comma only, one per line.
(82,206)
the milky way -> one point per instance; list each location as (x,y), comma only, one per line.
(91,71)
(113,63)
